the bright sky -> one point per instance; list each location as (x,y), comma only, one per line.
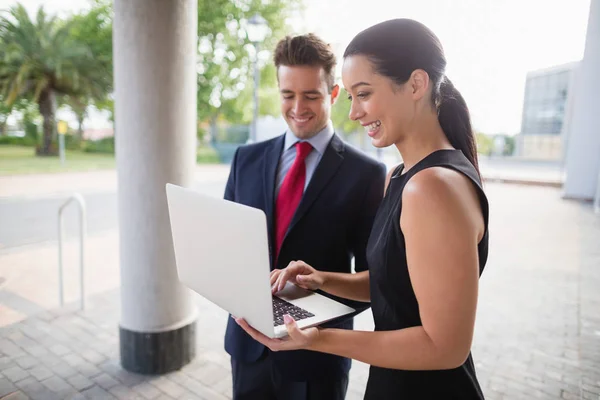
(490,45)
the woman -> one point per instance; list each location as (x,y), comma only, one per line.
(429,241)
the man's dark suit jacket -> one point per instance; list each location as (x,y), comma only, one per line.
(331,225)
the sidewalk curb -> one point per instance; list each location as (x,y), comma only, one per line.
(525,182)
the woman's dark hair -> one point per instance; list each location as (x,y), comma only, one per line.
(398,47)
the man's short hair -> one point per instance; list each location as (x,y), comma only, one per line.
(306,50)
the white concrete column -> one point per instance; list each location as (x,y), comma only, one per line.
(155,44)
(583,153)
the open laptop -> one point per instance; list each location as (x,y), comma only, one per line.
(222,253)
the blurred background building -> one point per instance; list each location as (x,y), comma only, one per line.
(547,106)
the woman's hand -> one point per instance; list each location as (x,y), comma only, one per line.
(300,274)
(297,340)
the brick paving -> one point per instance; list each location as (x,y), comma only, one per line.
(538,327)
(537,334)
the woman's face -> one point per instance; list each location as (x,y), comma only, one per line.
(385,109)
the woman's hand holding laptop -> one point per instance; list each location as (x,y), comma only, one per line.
(297,339)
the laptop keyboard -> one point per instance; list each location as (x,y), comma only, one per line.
(282,307)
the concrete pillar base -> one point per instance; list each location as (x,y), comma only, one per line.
(154,353)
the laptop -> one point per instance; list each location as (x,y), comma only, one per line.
(222,253)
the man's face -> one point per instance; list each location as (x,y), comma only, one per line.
(305,100)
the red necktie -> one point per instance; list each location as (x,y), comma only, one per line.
(290,194)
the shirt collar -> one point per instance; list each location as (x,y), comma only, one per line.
(319,142)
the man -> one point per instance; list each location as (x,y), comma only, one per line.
(320,197)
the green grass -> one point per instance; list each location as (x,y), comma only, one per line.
(207,155)
(19,160)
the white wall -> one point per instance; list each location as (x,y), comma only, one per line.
(583,153)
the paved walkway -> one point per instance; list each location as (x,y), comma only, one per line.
(537,332)
(512,170)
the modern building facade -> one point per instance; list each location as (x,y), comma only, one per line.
(547,110)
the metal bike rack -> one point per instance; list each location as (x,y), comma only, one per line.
(79,200)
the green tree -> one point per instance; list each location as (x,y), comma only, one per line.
(485,143)
(26,114)
(240,110)
(340,115)
(93,28)
(41,59)
(268,93)
(225,74)
(29,114)
(79,106)
(509,145)
(107,104)
(5,111)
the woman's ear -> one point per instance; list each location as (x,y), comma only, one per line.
(419,83)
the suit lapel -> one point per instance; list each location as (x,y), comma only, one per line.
(327,168)
(270,162)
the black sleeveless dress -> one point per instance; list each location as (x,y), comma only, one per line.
(393,300)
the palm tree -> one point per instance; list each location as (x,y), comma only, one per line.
(41,59)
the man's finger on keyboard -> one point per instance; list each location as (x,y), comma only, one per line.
(274,275)
(283,278)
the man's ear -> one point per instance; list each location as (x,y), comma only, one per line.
(335,92)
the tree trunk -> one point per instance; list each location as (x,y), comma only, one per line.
(47,105)
(3,127)
(80,118)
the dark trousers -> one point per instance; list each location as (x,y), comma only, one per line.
(262,381)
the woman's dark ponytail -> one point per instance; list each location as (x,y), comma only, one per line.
(455,120)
